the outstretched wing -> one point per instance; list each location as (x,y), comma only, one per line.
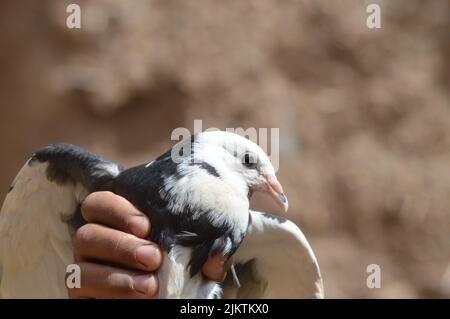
(275,261)
(39,216)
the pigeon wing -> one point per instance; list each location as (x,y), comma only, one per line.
(39,216)
(275,261)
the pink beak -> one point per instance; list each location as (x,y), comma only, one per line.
(275,191)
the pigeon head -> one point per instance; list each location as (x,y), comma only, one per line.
(241,161)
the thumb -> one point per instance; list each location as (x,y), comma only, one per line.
(216,268)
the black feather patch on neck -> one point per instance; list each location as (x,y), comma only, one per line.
(207,167)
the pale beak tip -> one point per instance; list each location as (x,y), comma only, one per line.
(284,201)
(275,190)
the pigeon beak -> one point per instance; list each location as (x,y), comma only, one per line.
(275,191)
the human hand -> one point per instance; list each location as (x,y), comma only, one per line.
(115,259)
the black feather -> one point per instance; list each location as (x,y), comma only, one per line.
(207,167)
(71,164)
(141,185)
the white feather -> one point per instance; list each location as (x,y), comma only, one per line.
(178,282)
(35,245)
(283,264)
(203,193)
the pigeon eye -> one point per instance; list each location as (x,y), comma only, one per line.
(248,161)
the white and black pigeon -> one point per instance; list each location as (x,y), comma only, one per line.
(197,197)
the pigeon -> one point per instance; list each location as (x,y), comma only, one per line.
(197,196)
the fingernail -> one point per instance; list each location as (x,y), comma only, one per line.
(145,284)
(149,256)
(139,225)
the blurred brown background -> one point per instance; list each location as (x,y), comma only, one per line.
(364,115)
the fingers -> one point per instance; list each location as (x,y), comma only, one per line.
(94,242)
(100,281)
(110,238)
(114,211)
(216,268)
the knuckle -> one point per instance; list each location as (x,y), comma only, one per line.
(91,202)
(121,282)
(120,200)
(128,284)
(123,242)
(82,235)
(88,205)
